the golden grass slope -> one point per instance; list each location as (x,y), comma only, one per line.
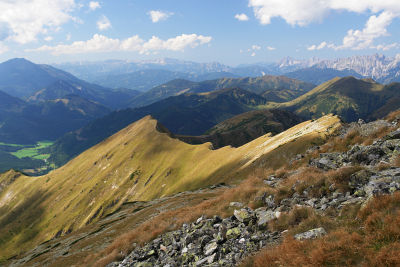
(137,163)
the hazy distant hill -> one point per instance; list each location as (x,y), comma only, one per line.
(20,77)
(317,75)
(146,79)
(24,79)
(278,88)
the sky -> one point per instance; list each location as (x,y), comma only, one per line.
(232,32)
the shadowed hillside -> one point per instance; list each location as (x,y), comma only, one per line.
(245,127)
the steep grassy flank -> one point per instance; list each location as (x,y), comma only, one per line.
(137,163)
(348,97)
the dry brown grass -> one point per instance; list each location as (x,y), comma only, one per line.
(245,192)
(383,166)
(341,144)
(290,219)
(393,115)
(376,135)
(370,239)
(396,162)
(340,177)
(316,181)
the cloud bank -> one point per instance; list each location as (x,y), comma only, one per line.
(100,43)
(304,12)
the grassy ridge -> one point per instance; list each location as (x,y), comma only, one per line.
(348,97)
(137,163)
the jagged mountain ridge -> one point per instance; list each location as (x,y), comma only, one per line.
(381,68)
(378,67)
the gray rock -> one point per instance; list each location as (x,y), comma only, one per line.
(236,204)
(264,217)
(210,248)
(311,234)
(243,215)
(393,135)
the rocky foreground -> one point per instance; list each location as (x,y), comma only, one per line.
(225,242)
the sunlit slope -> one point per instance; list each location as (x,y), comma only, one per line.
(138,163)
(348,97)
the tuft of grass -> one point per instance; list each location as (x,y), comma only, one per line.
(290,219)
(341,177)
(376,135)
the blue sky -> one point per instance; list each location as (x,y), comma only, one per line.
(228,31)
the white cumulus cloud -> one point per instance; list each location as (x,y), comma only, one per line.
(385,47)
(103,23)
(318,47)
(158,15)
(270,48)
(303,12)
(375,27)
(93,5)
(101,43)
(27,19)
(241,17)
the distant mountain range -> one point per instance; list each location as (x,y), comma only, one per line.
(273,88)
(145,80)
(378,67)
(33,82)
